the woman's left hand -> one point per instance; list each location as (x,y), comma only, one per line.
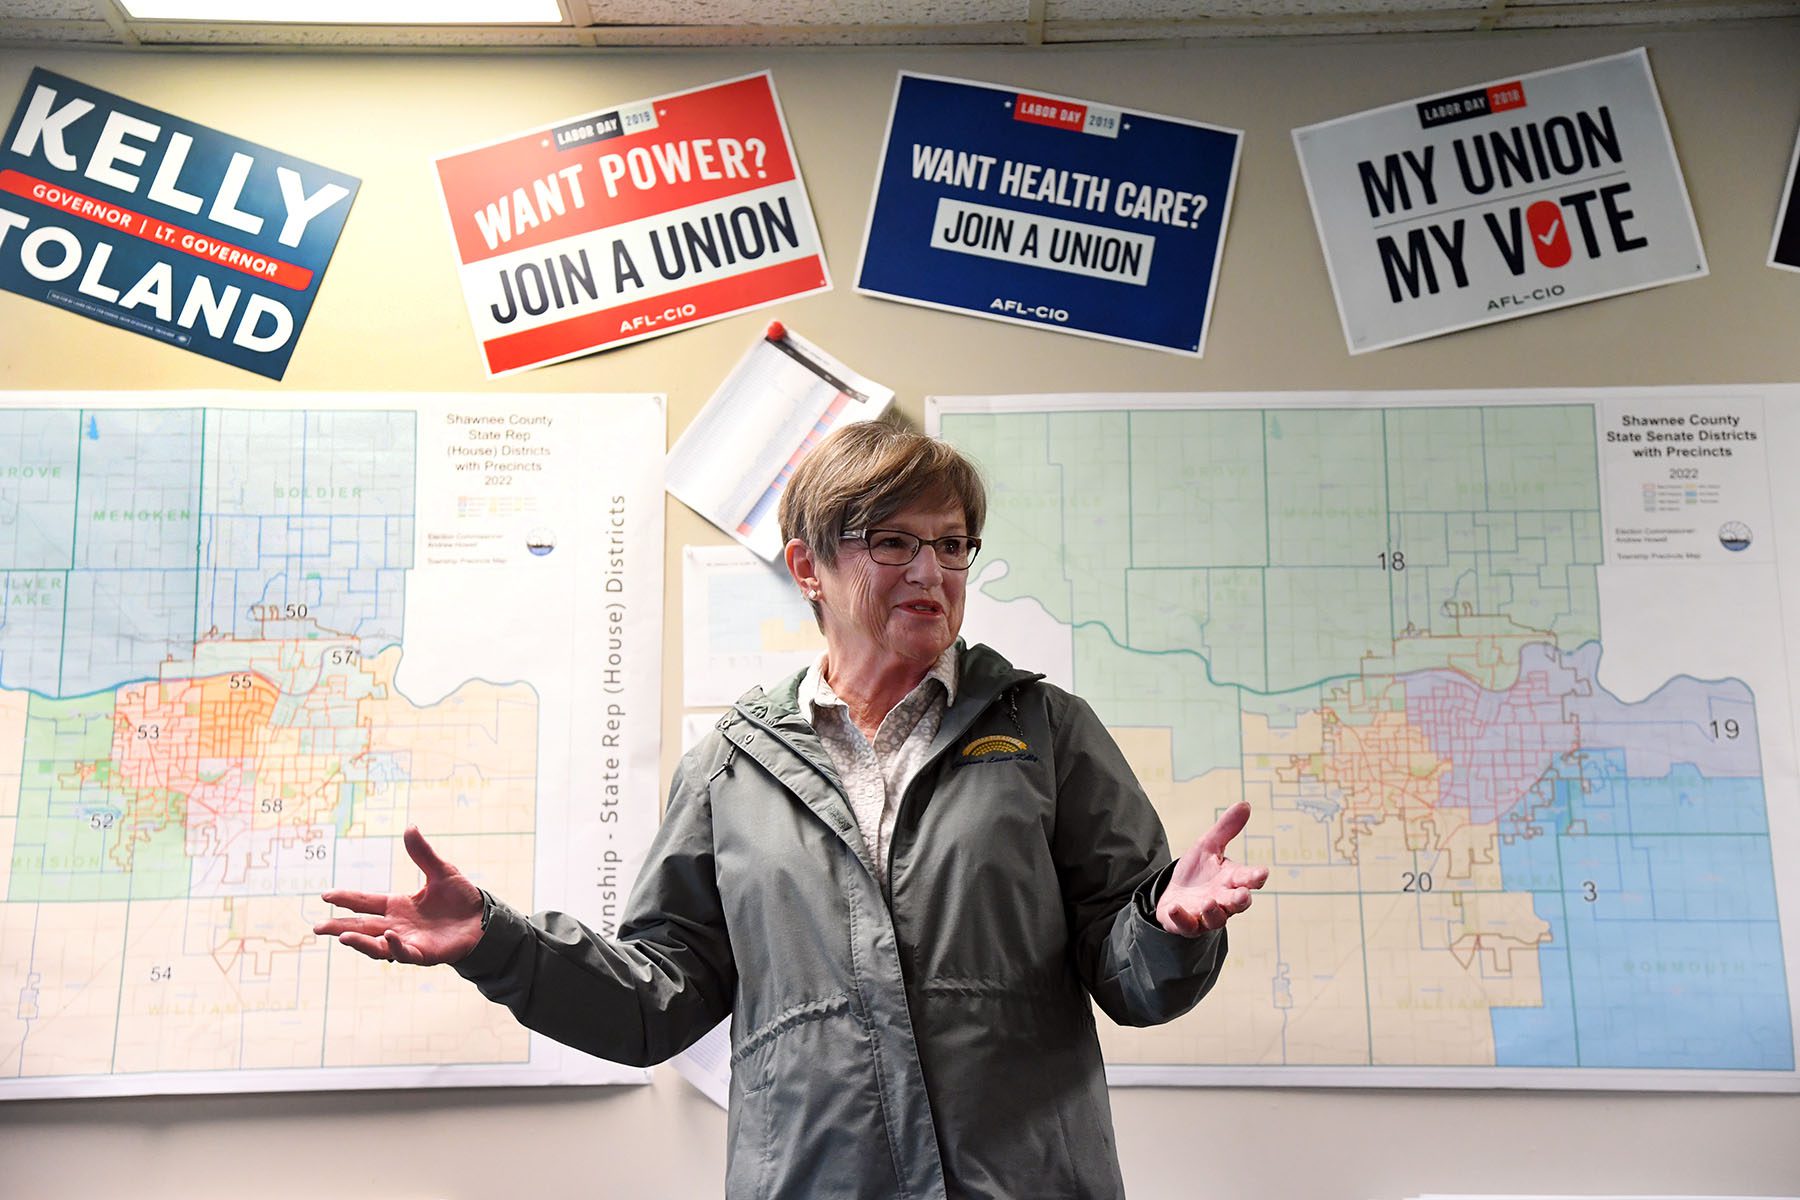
(1207,888)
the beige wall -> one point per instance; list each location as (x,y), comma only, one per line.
(389,318)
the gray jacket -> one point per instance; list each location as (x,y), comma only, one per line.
(927,1034)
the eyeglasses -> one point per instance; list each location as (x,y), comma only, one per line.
(896,547)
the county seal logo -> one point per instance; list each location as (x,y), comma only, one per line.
(997,743)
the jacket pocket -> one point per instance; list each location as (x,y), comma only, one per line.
(754,1056)
(750,1134)
(753,1071)
(758,1150)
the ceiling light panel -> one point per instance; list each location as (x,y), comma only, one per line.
(186,33)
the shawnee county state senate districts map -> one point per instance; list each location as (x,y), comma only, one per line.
(1508,679)
(244,642)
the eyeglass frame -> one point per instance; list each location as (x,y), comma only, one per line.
(919,544)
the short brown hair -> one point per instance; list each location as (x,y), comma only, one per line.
(862,474)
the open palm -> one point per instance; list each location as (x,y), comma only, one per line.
(439,923)
(1207,888)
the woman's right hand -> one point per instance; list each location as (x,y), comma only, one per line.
(439,923)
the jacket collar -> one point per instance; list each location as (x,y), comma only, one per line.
(983,675)
(814,691)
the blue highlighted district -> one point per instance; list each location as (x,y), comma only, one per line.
(128,535)
(1665,950)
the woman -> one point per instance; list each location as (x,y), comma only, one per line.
(903,872)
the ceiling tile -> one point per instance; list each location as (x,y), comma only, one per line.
(57,31)
(1526,14)
(1672,10)
(1202,10)
(1007,33)
(1103,31)
(807,12)
(53,10)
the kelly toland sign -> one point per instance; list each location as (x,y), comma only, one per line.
(1784,250)
(1052,212)
(630,223)
(1492,202)
(173,230)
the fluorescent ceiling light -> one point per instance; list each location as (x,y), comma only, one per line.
(349,12)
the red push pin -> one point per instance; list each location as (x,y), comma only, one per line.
(776,332)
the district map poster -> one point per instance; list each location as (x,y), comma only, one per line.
(1507,678)
(1513,197)
(628,223)
(242,647)
(149,222)
(1044,210)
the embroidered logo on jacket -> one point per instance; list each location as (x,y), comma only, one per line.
(997,743)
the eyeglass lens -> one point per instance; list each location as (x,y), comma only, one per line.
(895,548)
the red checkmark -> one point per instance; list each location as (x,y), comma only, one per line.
(1549,236)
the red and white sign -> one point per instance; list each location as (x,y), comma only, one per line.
(1042,110)
(629,223)
(1518,196)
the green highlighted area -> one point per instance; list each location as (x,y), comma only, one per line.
(81,835)
(1273,549)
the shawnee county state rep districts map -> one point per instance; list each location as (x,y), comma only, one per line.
(1507,678)
(244,642)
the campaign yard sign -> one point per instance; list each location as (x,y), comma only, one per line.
(1784,250)
(171,229)
(629,223)
(1043,210)
(1491,202)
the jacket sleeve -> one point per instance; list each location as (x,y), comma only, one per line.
(655,989)
(1113,862)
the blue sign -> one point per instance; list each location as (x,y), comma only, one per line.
(1042,210)
(152,223)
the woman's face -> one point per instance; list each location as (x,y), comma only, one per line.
(912,613)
